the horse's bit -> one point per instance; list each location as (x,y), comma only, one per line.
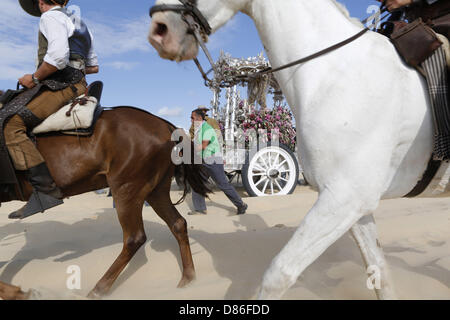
(198,24)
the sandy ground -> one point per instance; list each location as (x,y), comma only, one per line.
(230,252)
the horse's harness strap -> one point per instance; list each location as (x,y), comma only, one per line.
(430,172)
(185,7)
(313,56)
(325,51)
(189,9)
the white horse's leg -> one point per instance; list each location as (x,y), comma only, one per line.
(330,217)
(365,234)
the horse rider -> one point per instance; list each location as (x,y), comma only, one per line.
(429,53)
(435,13)
(65,55)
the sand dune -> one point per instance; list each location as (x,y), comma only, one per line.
(230,252)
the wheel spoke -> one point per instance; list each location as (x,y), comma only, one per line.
(265,186)
(260,181)
(275,162)
(258,167)
(258,174)
(278,185)
(279,166)
(281,178)
(271,187)
(265,163)
(261,164)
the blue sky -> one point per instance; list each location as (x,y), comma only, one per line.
(132,71)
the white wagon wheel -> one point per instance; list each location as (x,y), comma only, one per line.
(272,171)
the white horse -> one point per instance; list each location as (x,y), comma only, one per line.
(363,118)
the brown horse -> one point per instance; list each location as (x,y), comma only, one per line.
(130,151)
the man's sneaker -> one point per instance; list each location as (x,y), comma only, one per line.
(195,212)
(243,209)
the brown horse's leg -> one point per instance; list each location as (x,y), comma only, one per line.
(162,204)
(9,292)
(129,212)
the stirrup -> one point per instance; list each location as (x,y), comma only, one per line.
(38,202)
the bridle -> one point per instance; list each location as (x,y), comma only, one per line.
(187,7)
(198,26)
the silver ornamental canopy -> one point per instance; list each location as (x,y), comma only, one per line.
(233,71)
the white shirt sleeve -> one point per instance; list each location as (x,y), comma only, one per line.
(92,59)
(57,31)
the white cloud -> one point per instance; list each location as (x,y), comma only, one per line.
(170,112)
(18,41)
(122,65)
(19,34)
(120,37)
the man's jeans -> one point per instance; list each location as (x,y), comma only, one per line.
(217,173)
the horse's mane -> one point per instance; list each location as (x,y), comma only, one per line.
(345,12)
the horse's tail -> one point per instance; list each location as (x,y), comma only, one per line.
(191,174)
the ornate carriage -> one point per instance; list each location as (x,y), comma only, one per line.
(259,142)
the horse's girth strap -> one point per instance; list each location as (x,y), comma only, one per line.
(430,172)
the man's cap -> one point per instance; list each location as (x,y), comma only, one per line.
(32,6)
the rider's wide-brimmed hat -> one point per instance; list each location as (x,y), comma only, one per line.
(32,6)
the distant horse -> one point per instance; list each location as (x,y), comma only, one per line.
(130,151)
(363,117)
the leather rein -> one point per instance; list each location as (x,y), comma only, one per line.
(198,26)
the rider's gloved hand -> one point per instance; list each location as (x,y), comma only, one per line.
(395,4)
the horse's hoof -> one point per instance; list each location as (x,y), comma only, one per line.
(94,295)
(185,281)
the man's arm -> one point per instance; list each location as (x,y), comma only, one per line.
(92,65)
(205,144)
(44,71)
(90,70)
(396,4)
(57,57)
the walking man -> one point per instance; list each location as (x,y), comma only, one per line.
(207,145)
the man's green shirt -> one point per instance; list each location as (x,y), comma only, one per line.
(207,133)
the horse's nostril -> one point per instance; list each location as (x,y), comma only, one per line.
(161,29)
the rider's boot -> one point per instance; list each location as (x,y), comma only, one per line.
(46,193)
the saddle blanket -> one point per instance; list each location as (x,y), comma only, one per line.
(70,118)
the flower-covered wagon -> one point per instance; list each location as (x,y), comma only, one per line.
(259,142)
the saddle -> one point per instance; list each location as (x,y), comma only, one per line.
(416,42)
(77,118)
(71,112)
